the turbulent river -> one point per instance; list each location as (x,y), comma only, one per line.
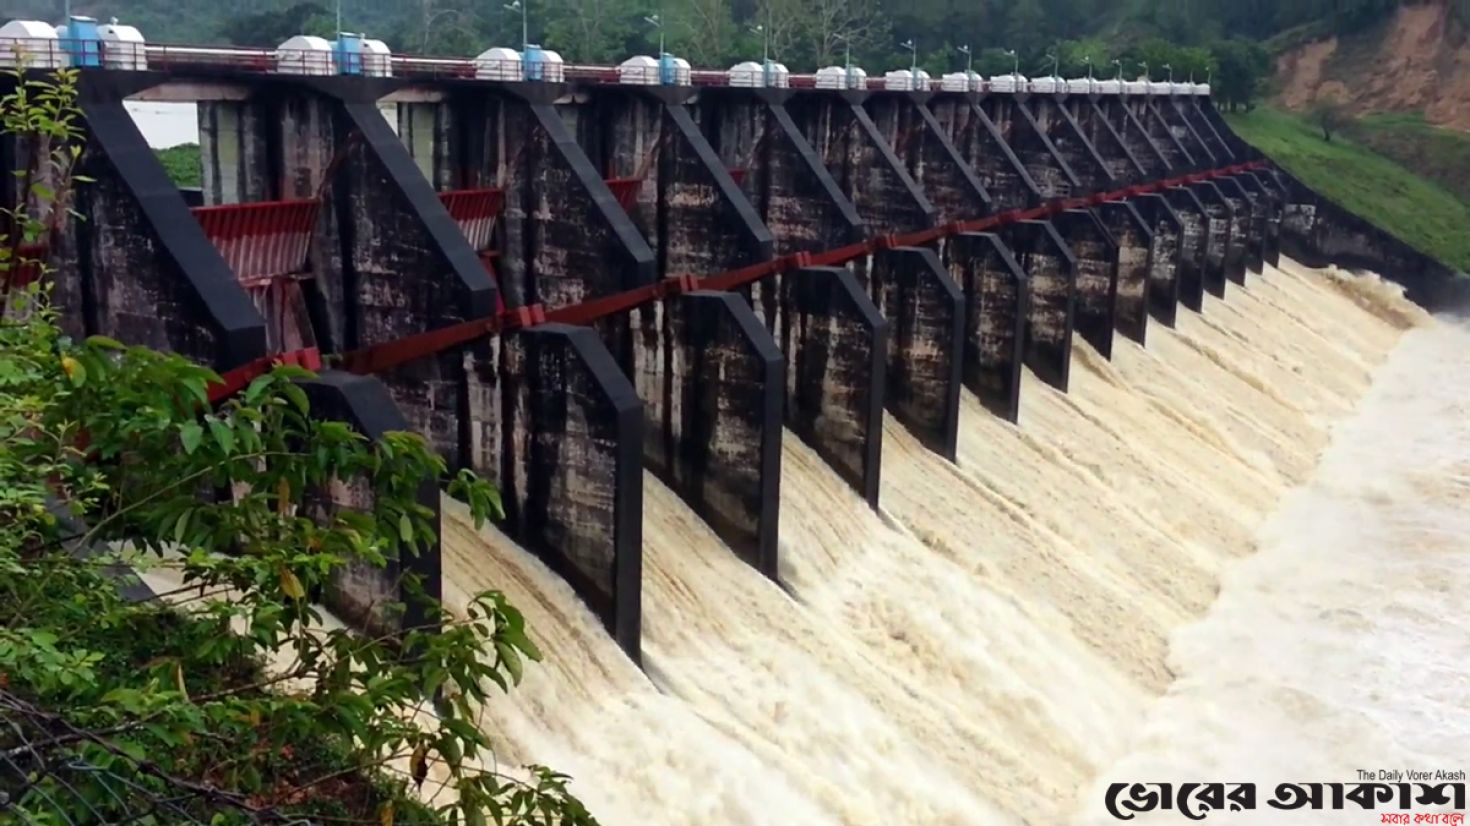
(1238,554)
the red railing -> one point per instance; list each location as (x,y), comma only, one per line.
(261,241)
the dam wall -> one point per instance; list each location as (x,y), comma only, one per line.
(562,285)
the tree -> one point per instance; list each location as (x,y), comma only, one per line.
(1243,67)
(706,32)
(600,31)
(1077,56)
(269,29)
(993,62)
(171,709)
(1330,115)
(829,27)
(1026,30)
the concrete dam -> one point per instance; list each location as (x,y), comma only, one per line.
(869,455)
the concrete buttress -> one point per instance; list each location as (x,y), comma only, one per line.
(997,295)
(1095,283)
(979,141)
(1195,241)
(1051,270)
(1135,242)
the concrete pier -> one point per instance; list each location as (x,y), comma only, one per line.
(726,380)
(364,594)
(1090,173)
(863,164)
(1251,205)
(135,265)
(997,294)
(1166,253)
(1051,271)
(986,151)
(925,312)
(1095,254)
(1195,242)
(783,177)
(1123,163)
(1219,222)
(922,144)
(1045,165)
(1162,135)
(1134,238)
(572,478)
(835,342)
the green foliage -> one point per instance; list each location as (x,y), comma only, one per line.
(1329,115)
(1242,68)
(229,698)
(182,163)
(1412,208)
(271,28)
(805,34)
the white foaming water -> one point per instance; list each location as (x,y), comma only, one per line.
(978,651)
(1343,644)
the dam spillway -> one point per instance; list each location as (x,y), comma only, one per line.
(981,647)
(871,423)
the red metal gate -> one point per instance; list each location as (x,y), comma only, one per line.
(476,210)
(266,245)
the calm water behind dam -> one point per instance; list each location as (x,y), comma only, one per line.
(1151,578)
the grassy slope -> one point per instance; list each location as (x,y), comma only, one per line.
(1439,154)
(1419,211)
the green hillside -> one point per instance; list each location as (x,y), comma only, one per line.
(1434,152)
(1419,211)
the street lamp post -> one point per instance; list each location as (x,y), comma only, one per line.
(657,21)
(846,60)
(523,6)
(969,64)
(1015,62)
(765,52)
(913,48)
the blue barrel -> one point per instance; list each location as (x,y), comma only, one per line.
(83,44)
(348,51)
(533,63)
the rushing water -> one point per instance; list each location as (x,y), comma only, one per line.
(1342,646)
(998,636)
